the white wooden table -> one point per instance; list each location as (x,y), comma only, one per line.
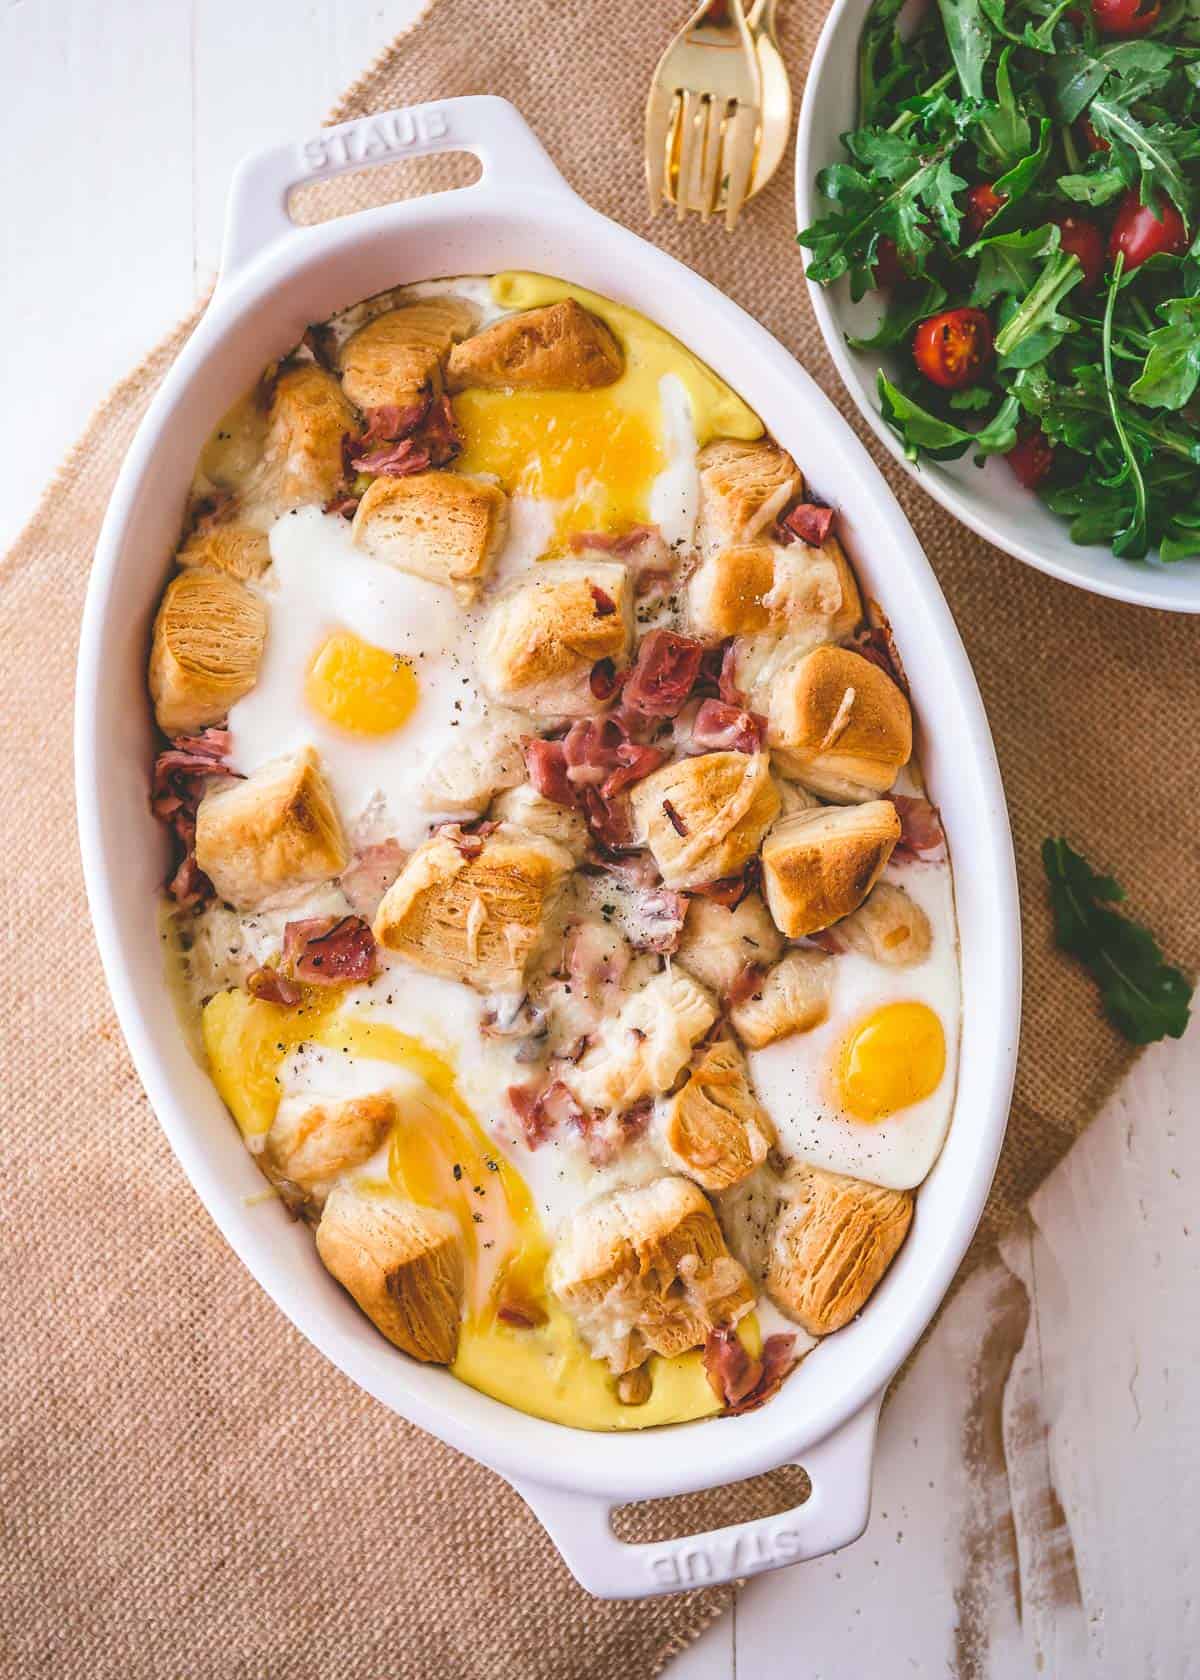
(1037,1497)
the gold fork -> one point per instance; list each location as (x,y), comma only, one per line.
(702,116)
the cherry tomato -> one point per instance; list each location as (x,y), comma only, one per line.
(1093,141)
(952,349)
(983,202)
(889,270)
(1124,17)
(1143,232)
(1084,240)
(1031,457)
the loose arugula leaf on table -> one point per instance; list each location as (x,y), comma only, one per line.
(1172,368)
(1143,997)
(923,432)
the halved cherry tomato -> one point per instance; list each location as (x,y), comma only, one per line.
(1124,17)
(952,349)
(889,270)
(1084,240)
(1142,231)
(1031,457)
(983,202)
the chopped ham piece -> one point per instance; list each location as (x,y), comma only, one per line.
(392,421)
(546,762)
(675,820)
(603,602)
(720,727)
(921,832)
(409,439)
(329,950)
(740,1381)
(273,987)
(371,874)
(541,1108)
(603,679)
(745,984)
(181,776)
(395,460)
(468,837)
(521,1314)
(663,674)
(730,890)
(810,521)
(877,644)
(635,869)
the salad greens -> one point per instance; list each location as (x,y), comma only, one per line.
(1143,997)
(1090,362)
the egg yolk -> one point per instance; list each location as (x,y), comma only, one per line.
(894,1057)
(363,689)
(596,452)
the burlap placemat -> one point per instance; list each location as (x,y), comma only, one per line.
(186,1487)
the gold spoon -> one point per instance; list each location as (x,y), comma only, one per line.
(776,95)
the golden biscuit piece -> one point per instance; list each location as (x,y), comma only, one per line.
(703,818)
(277,830)
(763,588)
(442,526)
(474,907)
(560,347)
(819,865)
(544,634)
(236,549)
(482,759)
(647,1271)
(527,808)
(719,943)
(302,457)
(641,1051)
(311,1143)
(889,926)
(834,1240)
(839,724)
(744,487)
(793,997)
(205,650)
(403,1265)
(396,356)
(715,1129)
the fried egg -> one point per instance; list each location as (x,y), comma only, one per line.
(372,667)
(869,1092)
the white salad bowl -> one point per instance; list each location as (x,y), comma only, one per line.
(275,279)
(988,499)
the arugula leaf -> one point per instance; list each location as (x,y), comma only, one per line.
(1152,147)
(926,433)
(880,57)
(1131,538)
(970,42)
(1008,262)
(1004,129)
(1077,79)
(1143,997)
(1172,368)
(972,399)
(1095,187)
(1035,327)
(906,309)
(1018,180)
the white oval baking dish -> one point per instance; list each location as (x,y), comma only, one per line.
(275,279)
(986,499)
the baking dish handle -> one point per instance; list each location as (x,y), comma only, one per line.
(489,127)
(834,1514)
